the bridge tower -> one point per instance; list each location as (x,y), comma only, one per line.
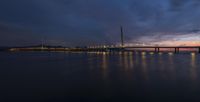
(122,37)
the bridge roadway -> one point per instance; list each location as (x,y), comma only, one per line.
(156,48)
(176,48)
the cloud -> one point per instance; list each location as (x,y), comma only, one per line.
(86,22)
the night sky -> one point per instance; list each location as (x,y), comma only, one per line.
(90,22)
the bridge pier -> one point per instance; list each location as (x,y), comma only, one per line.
(176,50)
(199,49)
(157,49)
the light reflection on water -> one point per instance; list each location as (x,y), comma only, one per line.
(170,65)
(131,60)
(103,75)
(104,64)
(193,66)
(126,62)
(144,66)
(144,62)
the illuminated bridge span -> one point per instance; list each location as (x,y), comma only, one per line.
(106,48)
(156,49)
(175,49)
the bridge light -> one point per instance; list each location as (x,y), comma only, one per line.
(193,54)
(151,53)
(170,53)
(143,53)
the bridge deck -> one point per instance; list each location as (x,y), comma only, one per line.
(161,47)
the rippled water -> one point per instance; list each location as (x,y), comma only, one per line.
(92,77)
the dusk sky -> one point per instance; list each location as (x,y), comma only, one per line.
(90,22)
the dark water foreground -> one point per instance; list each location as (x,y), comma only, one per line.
(99,77)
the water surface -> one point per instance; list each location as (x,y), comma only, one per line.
(92,77)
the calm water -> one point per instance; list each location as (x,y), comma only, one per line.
(92,77)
